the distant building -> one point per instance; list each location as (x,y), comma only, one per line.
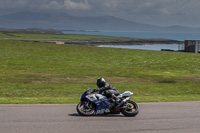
(192,46)
(56,42)
(60,42)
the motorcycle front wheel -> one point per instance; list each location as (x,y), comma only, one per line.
(85,110)
(130,109)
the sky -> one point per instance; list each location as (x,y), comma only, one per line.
(156,12)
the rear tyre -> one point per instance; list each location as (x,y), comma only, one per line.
(131,109)
(85,111)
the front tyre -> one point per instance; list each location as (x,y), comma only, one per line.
(130,109)
(85,110)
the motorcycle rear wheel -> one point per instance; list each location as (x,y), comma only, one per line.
(85,111)
(131,109)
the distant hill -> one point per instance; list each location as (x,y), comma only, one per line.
(64,21)
(31,30)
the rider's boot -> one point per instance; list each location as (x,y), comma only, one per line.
(112,105)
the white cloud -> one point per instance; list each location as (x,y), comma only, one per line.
(69,4)
(111,4)
(52,5)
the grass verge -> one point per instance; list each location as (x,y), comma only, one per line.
(49,73)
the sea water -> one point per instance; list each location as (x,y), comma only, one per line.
(156,47)
(163,35)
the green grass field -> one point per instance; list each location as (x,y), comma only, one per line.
(50,73)
(43,37)
(56,37)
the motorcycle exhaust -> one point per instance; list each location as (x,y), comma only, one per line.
(123,101)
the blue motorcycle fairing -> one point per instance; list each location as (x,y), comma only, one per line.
(83,97)
(101,101)
(102,104)
(85,94)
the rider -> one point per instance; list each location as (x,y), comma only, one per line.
(107,90)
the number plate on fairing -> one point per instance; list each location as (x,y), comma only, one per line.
(92,97)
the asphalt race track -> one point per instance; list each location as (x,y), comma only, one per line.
(179,117)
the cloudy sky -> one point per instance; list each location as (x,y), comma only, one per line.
(157,12)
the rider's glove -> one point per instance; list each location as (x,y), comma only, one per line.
(95,90)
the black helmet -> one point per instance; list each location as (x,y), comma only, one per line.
(101,82)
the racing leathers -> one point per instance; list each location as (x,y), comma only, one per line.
(110,92)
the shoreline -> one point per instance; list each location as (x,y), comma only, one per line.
(87,40)
(131,42)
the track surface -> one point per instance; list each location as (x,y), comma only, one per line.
(180,117)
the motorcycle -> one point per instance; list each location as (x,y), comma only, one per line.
(97,104)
